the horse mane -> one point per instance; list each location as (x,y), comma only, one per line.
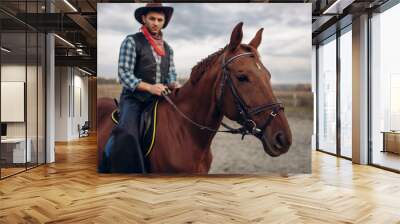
(200,68)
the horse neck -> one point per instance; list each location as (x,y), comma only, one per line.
(198,102)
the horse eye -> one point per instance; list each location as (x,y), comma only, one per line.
(242,78)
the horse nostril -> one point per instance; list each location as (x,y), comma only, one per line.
(280,140)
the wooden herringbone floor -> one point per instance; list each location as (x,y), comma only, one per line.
(71,191)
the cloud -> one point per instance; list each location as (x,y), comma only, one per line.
(197,30)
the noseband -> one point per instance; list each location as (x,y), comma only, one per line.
(248,125)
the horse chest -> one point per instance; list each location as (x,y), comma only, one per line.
(180,159)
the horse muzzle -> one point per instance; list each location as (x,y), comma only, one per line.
(277,145)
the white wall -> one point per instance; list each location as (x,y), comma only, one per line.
(80,94)
(16,73)
(33,126)
(70,84)
(61,103)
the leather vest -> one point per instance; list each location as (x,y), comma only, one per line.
(145,64)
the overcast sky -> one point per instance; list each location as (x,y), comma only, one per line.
(197,30)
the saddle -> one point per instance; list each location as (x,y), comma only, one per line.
(147,126)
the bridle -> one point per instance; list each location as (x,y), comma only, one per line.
(248,126)
(246,113)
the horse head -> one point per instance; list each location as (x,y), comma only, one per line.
(245,94)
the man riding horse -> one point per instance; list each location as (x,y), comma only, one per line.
(145,69)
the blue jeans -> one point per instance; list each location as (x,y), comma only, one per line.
(123,150)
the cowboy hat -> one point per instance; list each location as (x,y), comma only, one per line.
(156,7)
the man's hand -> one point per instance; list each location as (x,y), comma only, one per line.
(157,89)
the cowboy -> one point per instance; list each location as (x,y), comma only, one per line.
(145,69)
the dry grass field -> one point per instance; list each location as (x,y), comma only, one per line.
(109,90)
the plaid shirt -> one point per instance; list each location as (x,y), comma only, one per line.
(126,65)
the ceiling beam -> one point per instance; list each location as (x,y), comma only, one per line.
(86,26)
(337,7)
(82,61)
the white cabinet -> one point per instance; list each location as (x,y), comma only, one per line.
(17,146)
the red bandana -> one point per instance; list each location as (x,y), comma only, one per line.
(156,42)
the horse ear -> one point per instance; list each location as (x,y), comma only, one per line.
(255,42)
(236,37)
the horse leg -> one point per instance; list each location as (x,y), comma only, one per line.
(205,163)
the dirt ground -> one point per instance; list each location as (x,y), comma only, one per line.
(234,156)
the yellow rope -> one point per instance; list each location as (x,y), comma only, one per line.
(112,116)
(154,130)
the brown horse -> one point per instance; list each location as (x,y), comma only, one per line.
(231,82)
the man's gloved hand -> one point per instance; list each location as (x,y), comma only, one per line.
(157,89)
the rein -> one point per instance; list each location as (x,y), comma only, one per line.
(248,126)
